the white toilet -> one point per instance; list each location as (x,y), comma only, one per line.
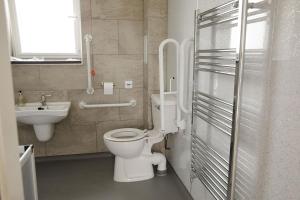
(132,147)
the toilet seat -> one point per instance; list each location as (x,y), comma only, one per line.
(125,135)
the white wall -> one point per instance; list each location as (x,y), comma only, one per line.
(180,26)
(10,172)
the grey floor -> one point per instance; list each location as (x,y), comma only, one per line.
(92,179)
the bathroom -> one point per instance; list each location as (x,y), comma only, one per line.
(208,103)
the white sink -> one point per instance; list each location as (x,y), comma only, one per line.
(43,118)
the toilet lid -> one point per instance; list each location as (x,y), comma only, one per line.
(125,135)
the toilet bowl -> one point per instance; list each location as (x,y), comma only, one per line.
(132,147)
(133,157)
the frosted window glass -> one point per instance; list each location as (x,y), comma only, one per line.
(46,26)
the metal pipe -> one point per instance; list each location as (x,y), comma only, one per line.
(230,50)
(220,168)
(213,124)
(210,149)
(215,64)
(211,17)
(238,84)
(216,58)
(209,172)
(214,112)
(213,118)
(230,3)
(209,187)
(217,22)
(215,98)
(214,71)
(212,104)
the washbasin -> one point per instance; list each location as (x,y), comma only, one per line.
(43,118)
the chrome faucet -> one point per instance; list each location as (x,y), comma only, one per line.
(44,99)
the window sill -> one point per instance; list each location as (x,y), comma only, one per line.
(46,62)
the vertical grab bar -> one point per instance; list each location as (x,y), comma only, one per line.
(238,84)
(181,75)
(162,82)
(88,39)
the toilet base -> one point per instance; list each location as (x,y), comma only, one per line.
(133,169)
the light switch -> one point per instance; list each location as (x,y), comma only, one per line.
(128,84)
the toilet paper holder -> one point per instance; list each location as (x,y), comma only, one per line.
(102,84)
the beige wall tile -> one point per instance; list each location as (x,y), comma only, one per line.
(157,32)
(157,8)
(35,95)
(85,9)
(90,116)
(118,68)
(72,140)
(62,77)
(153,72)
(117,9)
(131,37)
(26,77)
(104,127)
(27,136)
(105,36)
(132,112)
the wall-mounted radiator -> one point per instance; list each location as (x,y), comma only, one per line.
(214,153)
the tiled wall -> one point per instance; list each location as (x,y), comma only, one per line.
(155,30)
(117,29)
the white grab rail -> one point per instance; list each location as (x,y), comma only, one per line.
(162,82)
(84,105)
(88,39)
(181,75)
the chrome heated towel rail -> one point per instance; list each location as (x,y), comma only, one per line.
(217,173)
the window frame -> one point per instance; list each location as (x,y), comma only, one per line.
(16,44)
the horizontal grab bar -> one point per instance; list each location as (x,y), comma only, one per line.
(84,105)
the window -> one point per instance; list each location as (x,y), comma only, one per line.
(46,29)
